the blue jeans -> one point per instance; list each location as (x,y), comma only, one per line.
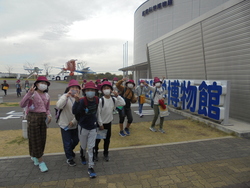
(70,140)
(140,107)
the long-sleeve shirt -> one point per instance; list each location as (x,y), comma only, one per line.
(105,112)
(86,120)
(141,90)
(128,94)
(158,94)
(36,102)
(66,103)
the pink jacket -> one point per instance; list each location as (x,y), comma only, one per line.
(36,102)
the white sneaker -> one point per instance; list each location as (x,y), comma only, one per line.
(161,130)
(152,129)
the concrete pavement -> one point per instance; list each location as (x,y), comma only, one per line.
(223,162)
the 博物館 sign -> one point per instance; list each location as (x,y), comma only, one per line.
(204,97)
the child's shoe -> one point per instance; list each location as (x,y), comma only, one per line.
(35,160)
(83,160)
(127,131)
(152,129)
(91,173)
(43,167)
(122,134)
(161,130)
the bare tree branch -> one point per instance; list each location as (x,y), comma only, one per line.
(9,68)
(29,67)
(47,68)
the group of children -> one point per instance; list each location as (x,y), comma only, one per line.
(18,85)
(82,114)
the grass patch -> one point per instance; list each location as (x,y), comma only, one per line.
(18,140)
(13,104)
(9,104)
(176,131)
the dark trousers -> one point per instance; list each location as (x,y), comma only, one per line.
(37,133)
(125,112)
(70,140)
(106,141)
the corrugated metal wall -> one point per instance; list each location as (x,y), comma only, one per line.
(157,55)
(216,48)
(190,64)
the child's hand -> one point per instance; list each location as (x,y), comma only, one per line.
(71,124)
(49,119)
(124,79)
(77,98)
(32,89)
(115,93)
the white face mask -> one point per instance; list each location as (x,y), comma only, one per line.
(141,84)
(42,87)
(106,91)
(158,84)
(130,85)
(115,82)
(90,94)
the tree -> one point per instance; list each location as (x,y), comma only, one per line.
(9,69)
(29,67)
(47,68)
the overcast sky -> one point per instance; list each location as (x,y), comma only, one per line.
(55,31)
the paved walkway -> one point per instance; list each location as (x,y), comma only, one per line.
(223,162)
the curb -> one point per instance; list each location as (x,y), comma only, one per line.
(125,148)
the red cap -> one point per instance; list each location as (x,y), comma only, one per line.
(42,79)
(73,82)
(90,85)
(156,79)
(106,83)
(104,79)
(115,79)
(130,81)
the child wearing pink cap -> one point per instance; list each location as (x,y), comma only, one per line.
(85,110)
(67,121)
(141,91)
(18,88)
(127,92)
(37,103)
(158,93)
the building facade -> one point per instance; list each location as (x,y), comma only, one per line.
(196,39)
